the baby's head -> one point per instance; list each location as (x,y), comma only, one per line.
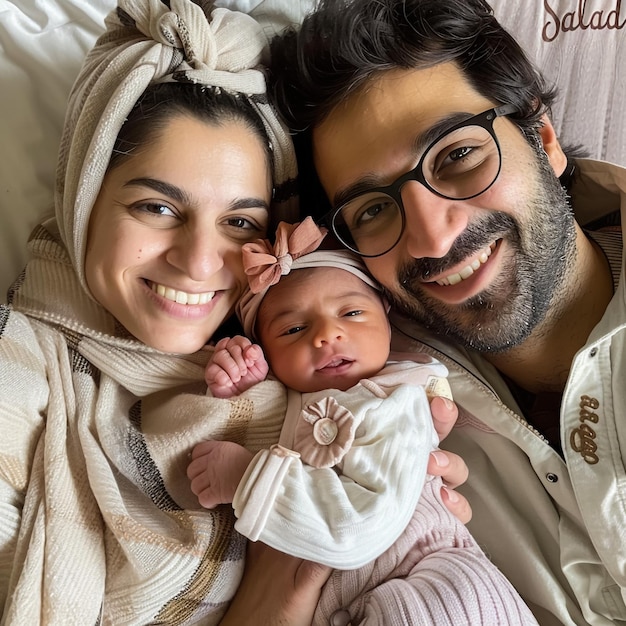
(321,319)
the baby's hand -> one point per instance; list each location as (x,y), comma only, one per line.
(215,471)
(236,365)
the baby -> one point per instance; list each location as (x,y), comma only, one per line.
(346,484)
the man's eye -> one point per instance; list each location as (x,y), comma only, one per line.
(459,153)
(375,212)
(370,213)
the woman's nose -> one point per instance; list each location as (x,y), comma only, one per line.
(197,253)
(433,223)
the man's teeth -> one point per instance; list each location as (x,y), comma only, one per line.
(182,297)
(466,272)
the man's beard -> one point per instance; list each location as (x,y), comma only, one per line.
(541,254)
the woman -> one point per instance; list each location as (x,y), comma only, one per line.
(137,271)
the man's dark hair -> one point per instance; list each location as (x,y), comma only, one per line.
(343,43)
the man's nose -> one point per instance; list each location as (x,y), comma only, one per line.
(433,223)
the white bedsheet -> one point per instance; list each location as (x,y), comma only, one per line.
(43,42)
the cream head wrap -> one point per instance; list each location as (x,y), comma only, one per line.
(295,248)
(147,41)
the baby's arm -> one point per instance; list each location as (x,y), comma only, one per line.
(236,365)
(215,471)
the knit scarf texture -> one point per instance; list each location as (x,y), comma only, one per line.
(110,532)
(98,427)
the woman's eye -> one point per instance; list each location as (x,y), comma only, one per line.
(246,227)
(240,222)
(155,208)
(354,313)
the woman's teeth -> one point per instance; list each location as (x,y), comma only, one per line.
(467,271)
(182,297)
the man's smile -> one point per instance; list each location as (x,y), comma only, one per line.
(465,272)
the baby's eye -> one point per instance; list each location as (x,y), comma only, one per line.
(293,330)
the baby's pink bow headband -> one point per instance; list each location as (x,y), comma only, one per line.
(295,248)
(265,264)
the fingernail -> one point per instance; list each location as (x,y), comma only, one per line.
(441,458)
(453,496)
(449,404)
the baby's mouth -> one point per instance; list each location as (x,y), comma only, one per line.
(335,363)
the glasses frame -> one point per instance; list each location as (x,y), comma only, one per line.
(484,120)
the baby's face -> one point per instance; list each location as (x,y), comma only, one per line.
(323,328)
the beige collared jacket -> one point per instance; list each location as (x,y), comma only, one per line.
(555,526)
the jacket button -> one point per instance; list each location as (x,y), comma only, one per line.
(552,478)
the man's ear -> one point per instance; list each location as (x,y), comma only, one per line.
(551,146)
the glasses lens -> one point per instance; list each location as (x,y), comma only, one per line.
(370,225)
(462,164)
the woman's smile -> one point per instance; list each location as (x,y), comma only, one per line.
(181,297)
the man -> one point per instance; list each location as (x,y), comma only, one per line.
(429,132)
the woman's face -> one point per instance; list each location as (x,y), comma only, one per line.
(165,235)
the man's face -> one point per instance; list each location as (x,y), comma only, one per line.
(484,270)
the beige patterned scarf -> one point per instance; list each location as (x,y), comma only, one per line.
(101,425)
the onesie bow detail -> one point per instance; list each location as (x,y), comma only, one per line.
(324,433)
(265,264)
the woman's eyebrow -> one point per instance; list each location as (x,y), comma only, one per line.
(250,203)
(160,186)
(178,194)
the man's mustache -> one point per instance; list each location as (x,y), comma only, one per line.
(473,239)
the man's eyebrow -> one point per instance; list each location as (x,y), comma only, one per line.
(178,194)
(422,141)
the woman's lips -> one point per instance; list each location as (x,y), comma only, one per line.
(181,297)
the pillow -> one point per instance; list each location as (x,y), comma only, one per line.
(42,45)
